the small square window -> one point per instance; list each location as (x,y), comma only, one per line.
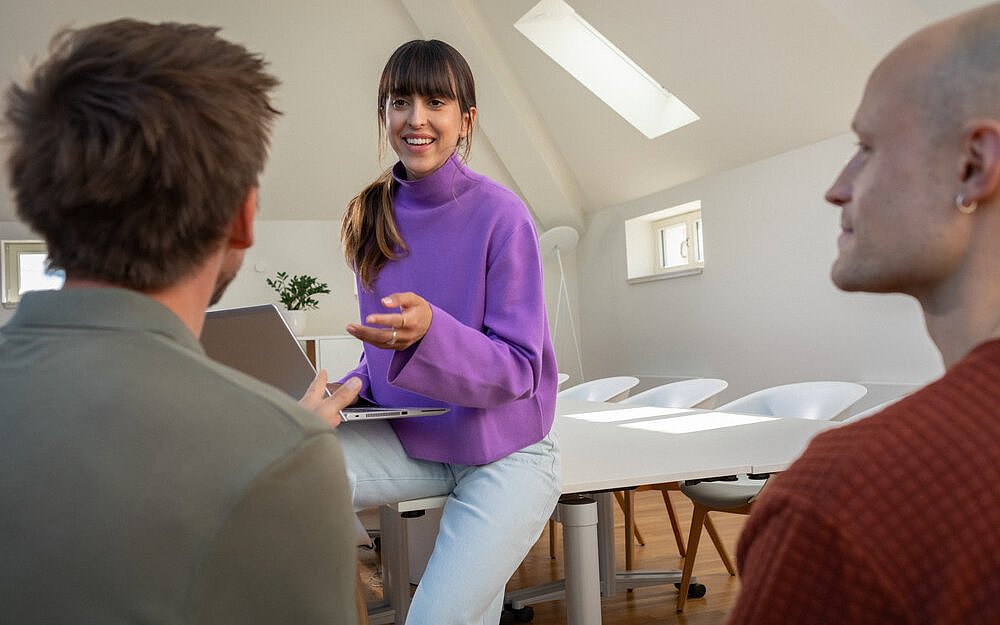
(24,266)
(665,244)
(679,242)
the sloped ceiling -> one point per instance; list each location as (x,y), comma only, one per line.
(766,76)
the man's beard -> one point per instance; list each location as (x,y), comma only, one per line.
(221,283)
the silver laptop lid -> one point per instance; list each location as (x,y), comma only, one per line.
(257,341)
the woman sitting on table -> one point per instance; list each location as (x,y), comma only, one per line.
(450,290)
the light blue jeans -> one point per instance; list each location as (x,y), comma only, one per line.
(494,514)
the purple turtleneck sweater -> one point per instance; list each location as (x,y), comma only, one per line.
(473,255)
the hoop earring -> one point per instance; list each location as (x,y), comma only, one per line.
(965,209)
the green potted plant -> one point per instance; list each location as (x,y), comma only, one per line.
(296,295)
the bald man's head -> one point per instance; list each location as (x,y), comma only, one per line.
(954,69)
(928,155)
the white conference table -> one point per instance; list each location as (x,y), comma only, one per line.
(608,447)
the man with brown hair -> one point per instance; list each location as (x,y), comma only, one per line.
(896,518)
(140,481)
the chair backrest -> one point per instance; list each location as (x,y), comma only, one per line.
(864,414)
(807,400)
(682,394)
(601,389)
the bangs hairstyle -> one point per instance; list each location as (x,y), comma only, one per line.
(427,68)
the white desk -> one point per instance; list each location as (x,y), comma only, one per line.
(630,451)
(610,447)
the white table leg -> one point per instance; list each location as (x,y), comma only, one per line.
(583,586)
(606,542)
(395,563)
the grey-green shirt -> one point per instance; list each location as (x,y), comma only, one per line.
(142,482)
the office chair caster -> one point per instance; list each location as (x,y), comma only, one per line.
(517,615)
(695,590)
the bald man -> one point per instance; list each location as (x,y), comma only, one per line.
(896,518)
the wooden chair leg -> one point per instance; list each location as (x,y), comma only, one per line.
(628,509)
(359,598)
(620,496)
(697,521)
(674,524)
(718,545)
(632,535)
(635,526)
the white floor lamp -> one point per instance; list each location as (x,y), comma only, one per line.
(562,239)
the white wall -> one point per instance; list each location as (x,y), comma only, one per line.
(764,311)
(298,247)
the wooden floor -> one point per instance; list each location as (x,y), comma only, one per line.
(652,604)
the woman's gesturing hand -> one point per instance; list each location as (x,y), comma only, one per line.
(399,329)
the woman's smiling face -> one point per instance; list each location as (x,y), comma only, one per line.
(424,130)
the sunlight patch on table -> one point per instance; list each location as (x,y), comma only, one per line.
(698,422)
(625,414)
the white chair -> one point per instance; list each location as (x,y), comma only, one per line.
(562,377)
(864,414)
(681,394)
(601,389)
(807,400)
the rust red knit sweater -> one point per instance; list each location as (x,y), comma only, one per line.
(893,519)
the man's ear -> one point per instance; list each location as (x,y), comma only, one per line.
(980,175)
(241,228)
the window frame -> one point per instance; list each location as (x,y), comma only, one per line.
(694,240)
(643,247)
(11,253)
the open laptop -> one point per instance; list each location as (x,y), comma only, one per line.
(257,341)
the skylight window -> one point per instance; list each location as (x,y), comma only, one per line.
(600,66)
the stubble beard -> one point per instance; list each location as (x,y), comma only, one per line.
(226,276)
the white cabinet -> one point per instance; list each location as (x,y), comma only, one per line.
(338,353)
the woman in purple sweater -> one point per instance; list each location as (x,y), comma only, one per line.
(450,291)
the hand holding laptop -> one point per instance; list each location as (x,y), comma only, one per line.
(257,341)
(328,407)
